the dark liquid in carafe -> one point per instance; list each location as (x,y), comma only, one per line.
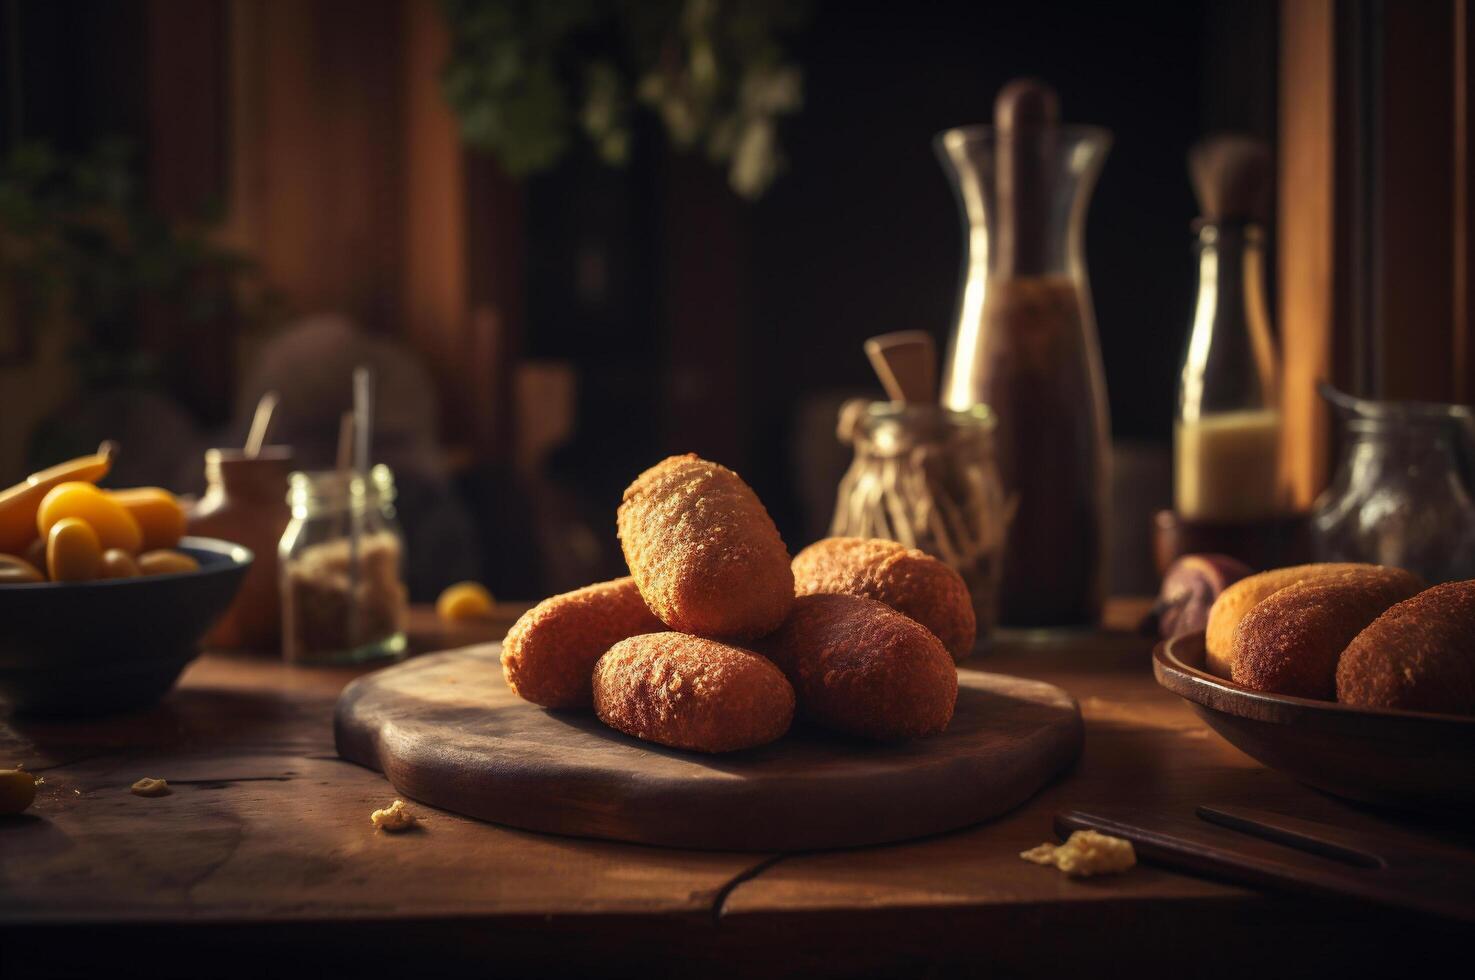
(1038,381)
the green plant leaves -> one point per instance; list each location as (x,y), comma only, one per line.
(527,78)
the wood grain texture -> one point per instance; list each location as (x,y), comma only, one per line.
(445,729)
(1463,253)
(93,874)
(317,152)
(1306,245)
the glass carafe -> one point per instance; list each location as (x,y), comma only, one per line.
(1399,495)
(1025,344)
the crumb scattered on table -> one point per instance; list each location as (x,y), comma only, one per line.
(393,818)
(151,787)
(1085,853)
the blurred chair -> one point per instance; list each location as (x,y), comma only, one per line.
(159,443)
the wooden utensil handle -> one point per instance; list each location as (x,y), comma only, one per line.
(906,363)
(1026,119)
(1199,848)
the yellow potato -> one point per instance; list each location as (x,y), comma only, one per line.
(18,504)
(464,600)
(17,571)
(117,563)
(114,526)
(166,563)
(158,513)
(73,553)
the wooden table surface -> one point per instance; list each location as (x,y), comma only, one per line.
(264,856)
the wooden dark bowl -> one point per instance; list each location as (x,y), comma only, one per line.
(1406,759)
(86,648)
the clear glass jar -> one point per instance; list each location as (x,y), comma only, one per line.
(343,597)
(1398,498)
(1024,343)
(926,476)
(1226,440)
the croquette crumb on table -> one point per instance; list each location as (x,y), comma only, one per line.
(263,855)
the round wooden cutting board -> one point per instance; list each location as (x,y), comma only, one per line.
(446,731)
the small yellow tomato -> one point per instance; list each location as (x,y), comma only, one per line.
(73,553)
(117,563)
(17,791)
(464,600)
(166,563)
(17,571)
(158,513)
(115,527)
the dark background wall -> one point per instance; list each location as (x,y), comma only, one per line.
(698,322)
(862,236)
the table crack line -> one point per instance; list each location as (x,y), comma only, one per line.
(719,901)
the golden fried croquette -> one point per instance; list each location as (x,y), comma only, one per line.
(862,668)
(691,693)
(1291,641)
(910,581)
(549,654)
(704,552)
(1236,601)
(1419,655)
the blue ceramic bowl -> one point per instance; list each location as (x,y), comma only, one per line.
(85,648)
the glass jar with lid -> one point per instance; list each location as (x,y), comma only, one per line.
(926,476)
(343,595)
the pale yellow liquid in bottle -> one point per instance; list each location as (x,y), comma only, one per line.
(1227,466)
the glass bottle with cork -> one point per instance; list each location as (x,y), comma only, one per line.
(1226,439)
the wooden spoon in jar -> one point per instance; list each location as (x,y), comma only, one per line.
(906,363)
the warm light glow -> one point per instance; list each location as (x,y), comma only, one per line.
(1202,334)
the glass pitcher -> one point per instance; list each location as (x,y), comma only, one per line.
(1025,344)
(1400,495)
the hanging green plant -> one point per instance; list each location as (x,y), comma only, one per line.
(528,78)
(79,234)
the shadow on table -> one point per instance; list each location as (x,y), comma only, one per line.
(221,719)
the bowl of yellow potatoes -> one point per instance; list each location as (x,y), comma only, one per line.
(103,599)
